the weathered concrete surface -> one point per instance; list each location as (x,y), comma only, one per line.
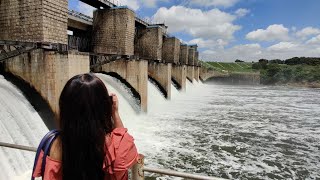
(179,75)
(171,50)
(190,73)
(34,20)
(133,72)
(48,71)
(194,46)
(196,58)
(113,31)
(206,74)
(184,54)
(161,74)
(148,43)
(191,56)
(238,78)
(197,73)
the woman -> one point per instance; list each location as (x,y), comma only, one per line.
(93,143)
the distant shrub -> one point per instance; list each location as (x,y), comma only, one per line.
(303,60)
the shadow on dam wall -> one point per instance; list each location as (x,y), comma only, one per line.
(237,79)
(34,98)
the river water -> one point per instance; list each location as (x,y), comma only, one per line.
(238,132)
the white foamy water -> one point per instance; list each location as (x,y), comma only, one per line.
(19,124)
(232,131)
(236,132)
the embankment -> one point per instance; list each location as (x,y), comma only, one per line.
(238,79)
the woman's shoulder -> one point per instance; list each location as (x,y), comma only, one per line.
(56,150)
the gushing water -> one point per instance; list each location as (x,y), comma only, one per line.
(234,132)
(20,124)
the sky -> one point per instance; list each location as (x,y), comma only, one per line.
(226,30)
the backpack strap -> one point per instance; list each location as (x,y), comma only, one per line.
(46,151)
(41,146)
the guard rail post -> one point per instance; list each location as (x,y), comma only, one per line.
(137,169)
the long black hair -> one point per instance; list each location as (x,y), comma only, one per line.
(85,119)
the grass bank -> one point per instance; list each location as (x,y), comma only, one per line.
(241,67)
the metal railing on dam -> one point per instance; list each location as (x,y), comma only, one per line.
(137,171)
(80,15)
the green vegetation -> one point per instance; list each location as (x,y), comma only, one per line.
(209,66)
(291,71)
(302,71)
(238,67)
(284,74)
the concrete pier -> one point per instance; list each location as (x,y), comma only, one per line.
(34,20)
(135,74)
(113,31)
(184,54)
(197,73)
(179,76)
(148,43)
(161,74)
(48,71)
(191,56)
(190,73)
(171,50)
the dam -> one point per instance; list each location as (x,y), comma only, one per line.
(38,56)
(35,47)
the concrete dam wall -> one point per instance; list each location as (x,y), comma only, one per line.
(35,47)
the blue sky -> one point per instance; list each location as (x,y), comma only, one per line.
(226,30)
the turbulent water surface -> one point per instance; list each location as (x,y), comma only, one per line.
(233,131)
(237,132)
(19,124)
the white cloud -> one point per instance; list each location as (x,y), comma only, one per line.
(272,33)
(245,52)
(314,40)
(308,31)
(88,10)
(254,52)
(133,4)
(213,3)
(241,12)
(151,3)
(85,9)
(282,46)
(211,24)
(209,43)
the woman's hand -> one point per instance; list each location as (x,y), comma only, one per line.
(115,111)
(115,103)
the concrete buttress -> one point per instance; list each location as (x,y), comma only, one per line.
(161,74)
(179,75)
(148,43)
(48,71)
(197,73)
(113,31)
(34,20)
(135,73)
(190,73)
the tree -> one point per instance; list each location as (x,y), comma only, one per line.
(238,60)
